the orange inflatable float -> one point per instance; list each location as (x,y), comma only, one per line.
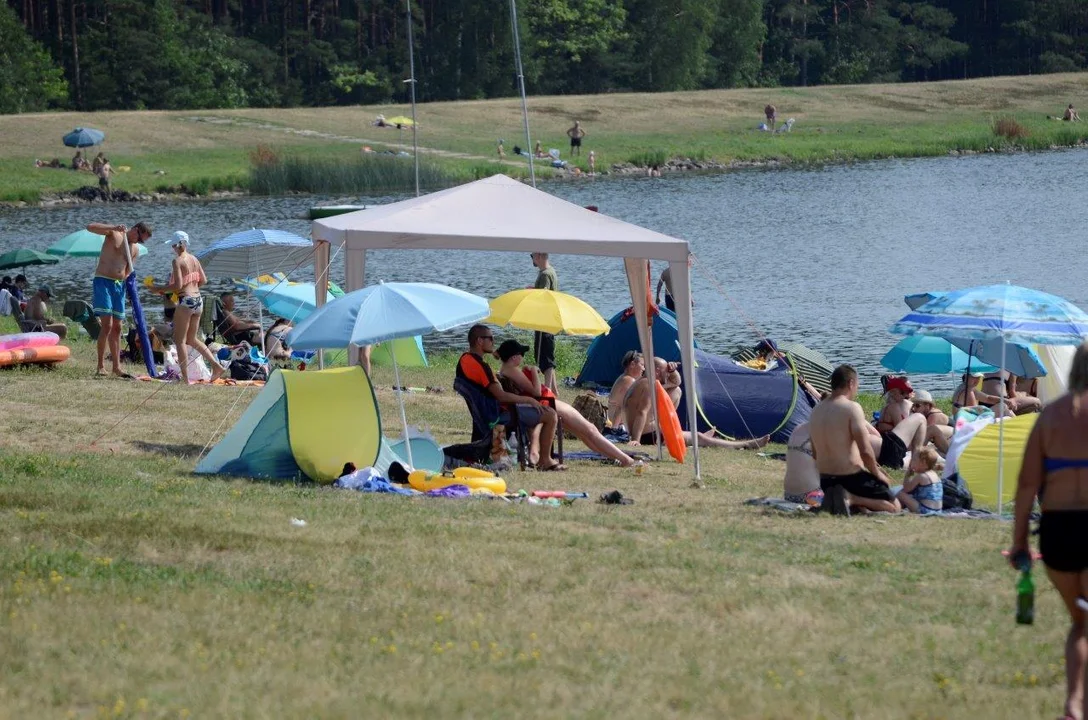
(36,356)
(669,423)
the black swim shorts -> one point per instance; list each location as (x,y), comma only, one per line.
(576,142)
(862,483)
(1063,540)
(892,451)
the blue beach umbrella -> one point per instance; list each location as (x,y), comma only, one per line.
(388,311)
(84,137)
(998,313)
(294,301)
(83,243)
(251,252)
(922,354)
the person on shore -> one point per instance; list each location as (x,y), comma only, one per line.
(473,368)
(105,172)
(18,288)
(108,300)
(899,430)
(802,481)
(234,329)
(98,162)
(592,162)
(538,151)
(576,133)
(633,367)
(78,162)
(525,380)
(1071,115)
(544,343)
(1056,459)
(939,429)
(501,150)
(275,341)
(771,112)
(1025,391)
(638,410)
(37,311)
(922,491)
(665,281)
(186,279)
(842,446)
(995,386)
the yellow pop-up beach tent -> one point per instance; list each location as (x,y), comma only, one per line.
(978,463)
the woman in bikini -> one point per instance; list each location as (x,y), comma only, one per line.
(1056,461)
(185,281)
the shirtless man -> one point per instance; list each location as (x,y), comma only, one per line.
(634,367)
(898,431)
(576,133)
(637,409)
(1070,114)
(843,450)
(114,265)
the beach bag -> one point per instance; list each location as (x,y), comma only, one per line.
(592,407)
(246,369)
(956,494)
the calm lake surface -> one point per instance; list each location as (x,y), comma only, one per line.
(822,256)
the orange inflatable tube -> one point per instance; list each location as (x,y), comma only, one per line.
(35,356)
(669,424)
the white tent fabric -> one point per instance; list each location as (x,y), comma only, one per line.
(1058,360)
(498,213)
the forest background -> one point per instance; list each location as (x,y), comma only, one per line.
(186,54)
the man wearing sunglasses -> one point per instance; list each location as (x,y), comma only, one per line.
(114,265)
(531,412)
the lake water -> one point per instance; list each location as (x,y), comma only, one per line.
(821,256)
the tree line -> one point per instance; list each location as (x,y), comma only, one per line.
(180,54)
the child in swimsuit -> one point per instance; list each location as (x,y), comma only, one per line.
(923,492)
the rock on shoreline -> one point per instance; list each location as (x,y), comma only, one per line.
(89,195)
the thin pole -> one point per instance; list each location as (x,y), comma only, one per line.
(521,87)
(412,83)
(400,397)
(1001,434)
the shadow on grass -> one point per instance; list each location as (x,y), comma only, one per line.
(180,450)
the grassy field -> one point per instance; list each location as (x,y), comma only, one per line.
(210,149)
(131,588)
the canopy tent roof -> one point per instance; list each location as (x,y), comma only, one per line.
(496,213)
(502,214)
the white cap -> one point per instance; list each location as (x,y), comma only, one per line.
(180,238)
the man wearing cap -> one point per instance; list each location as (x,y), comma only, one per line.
(37,312)
(899,430)
(114,265)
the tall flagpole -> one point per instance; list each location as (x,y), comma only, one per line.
(412,82)
(521,86)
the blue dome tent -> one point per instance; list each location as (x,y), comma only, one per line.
(602,365)
(742,403)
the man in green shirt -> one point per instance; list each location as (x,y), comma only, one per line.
(544,343)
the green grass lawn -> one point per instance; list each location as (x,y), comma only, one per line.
(130,587)
(210,149)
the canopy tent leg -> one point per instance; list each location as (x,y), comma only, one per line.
(637,274)
(322,259)
(1001,435)
(685,323)
(403,417)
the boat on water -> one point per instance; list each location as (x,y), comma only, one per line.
(324,211)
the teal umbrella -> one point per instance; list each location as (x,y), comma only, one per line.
(83,243)
(23,257)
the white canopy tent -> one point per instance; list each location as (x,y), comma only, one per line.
(501,214)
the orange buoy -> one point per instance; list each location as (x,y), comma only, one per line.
(668,423)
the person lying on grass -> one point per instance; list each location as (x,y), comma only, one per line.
(637,408)
(526,381)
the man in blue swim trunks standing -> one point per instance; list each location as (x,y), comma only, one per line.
(114,265)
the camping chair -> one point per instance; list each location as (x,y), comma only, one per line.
(24,324)
(80,311)
(208,319)
(486,413)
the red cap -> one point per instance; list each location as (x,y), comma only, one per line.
(900,383)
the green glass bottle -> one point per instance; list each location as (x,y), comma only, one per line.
(1025,598)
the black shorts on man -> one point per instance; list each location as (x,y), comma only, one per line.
(892,451)
(862,483)
(544,350)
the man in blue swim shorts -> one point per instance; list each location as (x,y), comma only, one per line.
(114,265)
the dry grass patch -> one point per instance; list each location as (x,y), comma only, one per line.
(129,586)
